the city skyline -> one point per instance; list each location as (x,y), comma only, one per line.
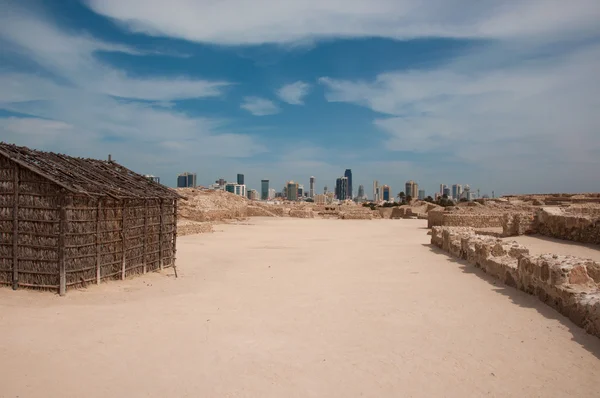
(400,92)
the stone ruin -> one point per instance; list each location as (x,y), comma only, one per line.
(569,284)
(575,223)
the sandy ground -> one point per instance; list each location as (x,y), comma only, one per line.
(541,244)
(296,308)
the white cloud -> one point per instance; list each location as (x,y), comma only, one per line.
(271,21)
(72,58)
(89,108)
(294,93)
(523,118)
(259,106)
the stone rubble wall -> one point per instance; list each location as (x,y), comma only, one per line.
(439,218)
(515,224)
(302,213)
(558,223)
(569,284)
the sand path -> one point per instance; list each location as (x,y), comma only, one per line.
(296,308)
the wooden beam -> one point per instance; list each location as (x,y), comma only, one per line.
(160,236)
(145,235)
(123,238)
(98,210)
(15,242)
(62,274)
(174,236)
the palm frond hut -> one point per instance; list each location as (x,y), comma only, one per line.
(67,222)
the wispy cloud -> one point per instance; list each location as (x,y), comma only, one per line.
(259,106)
(515,118)
(77,104)
(242,22)
(294,93)
(71,57)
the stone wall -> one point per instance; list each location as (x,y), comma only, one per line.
(514,224)
(557,223)
(571,285)
(302,213)
(438,218)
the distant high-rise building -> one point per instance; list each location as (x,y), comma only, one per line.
(442,187)
(385,189)
(311,187)
(320,199)
(186,180)
(264,189)
(237,189)
(348,175)
(240,179)
(341,188)
(421,194)
(411,189)
(221,182)
(456,191)
(446,191)
(272,193)
(153,178)
(376,196)
(292,191)
(468,193)
(361,191)
(300,191)
(325,190)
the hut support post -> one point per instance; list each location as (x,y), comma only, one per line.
(145,236)
(98,210)
(62,270)
(123,239)
(15,277)
(174,236)
(160,237)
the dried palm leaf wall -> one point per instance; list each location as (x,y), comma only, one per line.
(61,240)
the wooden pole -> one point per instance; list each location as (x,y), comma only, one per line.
(62,271)
(15,280)
(160,237)
(174,235)
(98,210)
(123,238)
(145,235)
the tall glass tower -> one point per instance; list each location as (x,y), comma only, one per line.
(264,189)
(348,175)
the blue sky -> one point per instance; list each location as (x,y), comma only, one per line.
(501,95)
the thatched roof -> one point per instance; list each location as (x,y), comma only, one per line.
(87,176)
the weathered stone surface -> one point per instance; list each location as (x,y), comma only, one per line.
(302,213)
(567,283)
(579,227)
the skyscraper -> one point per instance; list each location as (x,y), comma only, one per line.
(292,191)
(186,180)
(446,191)
(264,189)
(325,190)
(341,188)
(311,188)
(376,191)
(361,191)
(456,191)
(421,194)
(300,191)
(240,179)
(386,192)
(411,189)
(442,186)
(348,175)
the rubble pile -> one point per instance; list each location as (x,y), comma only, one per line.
(569,284)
